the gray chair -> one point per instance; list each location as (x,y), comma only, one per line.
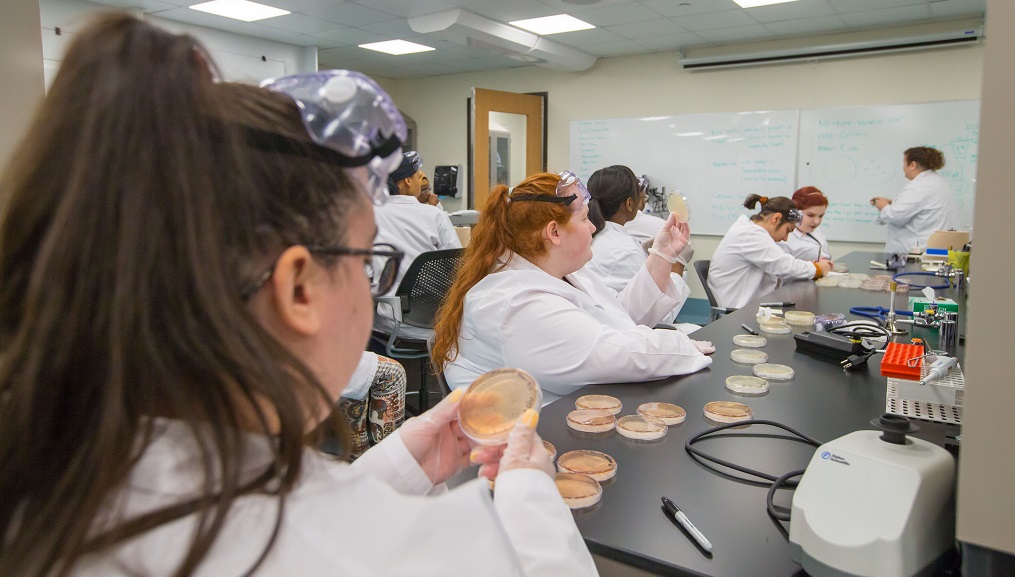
(701,267)
(413,307)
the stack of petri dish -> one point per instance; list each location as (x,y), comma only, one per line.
(600,402)
(591,420)
(828,281)
(668,413)
(595,464)
(800,318)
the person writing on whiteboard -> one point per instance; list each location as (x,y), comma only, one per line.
(748,262)
(806,241)
(522,298)
(924,206)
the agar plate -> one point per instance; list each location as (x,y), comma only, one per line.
(774,372)
(601,402)
(678,206)
(494,402)
(799,318)
(550,449)
(578,491)
(641,427)
(727,412)
(827,281)
(748,356)
(746,385)
(777,327)
(599,466)
(749,341)
(591,420)
(668,413)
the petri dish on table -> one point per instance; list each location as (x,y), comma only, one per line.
(748,356)
(550,449)
(750,341)
(668,413)
(746,385)
(775,327)
(799,318)
(601,402)
(591,420)
(774,372)
(641,427)
(727,412)
(595,464)
(494,402)
(578,491)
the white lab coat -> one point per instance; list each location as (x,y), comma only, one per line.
(644,226)
(413,228)
(924,206)
(807,247)
(569,334)
(369,518)
(748,264)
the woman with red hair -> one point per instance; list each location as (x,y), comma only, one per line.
(807,242)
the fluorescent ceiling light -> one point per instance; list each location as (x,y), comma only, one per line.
(552,24)
(756,3)
(396,47)
(240,9)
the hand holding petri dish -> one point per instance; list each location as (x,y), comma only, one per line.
(678,206)
(494,402)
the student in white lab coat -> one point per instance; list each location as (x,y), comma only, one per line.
(924,206)
(748,262)
(643,226)
(806,242)
(522,298)
(176,442)
(409,225)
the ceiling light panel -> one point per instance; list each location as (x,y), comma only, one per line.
(396,47)
(240,10)
(756,3)
(552,24)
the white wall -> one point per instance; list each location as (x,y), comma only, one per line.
(655,84)
(239,57)
(21,82)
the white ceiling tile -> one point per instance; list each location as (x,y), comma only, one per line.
(514,10)
(807,26)
(408,9)
(567,7)
(711,20)
(290,5)
(673,42)
(398,28)
(791,10)
(736,35)
(349,14)
(846,6)
(352,36)
(956,8)
(587,37)
(677,8)
(648,29)
(298,23)
(622,48)
(889,16)
(287,37)
(613,15)
(147,6)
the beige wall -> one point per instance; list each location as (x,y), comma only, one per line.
(21,79)
(656,85)
(986,507)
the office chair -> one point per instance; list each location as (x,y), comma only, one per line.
(701,267)
(413,306)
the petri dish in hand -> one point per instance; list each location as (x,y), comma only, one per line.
(494,402)
(678,206)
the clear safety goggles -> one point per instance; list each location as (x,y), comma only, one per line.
(415,160)
(793,215)
(348,113)
(643,184)
(569,189)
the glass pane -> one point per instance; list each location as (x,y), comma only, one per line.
(507,148)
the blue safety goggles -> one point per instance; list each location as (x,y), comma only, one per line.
(348,113)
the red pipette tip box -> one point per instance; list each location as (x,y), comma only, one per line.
(896,361)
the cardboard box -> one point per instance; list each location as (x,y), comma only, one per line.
(917,304)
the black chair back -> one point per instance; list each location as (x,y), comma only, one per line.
(701,267)
(425,284)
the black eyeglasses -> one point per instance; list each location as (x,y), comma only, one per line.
(381,269)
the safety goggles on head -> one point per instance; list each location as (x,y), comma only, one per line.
(793,215)
(642,184)
(569,189)
(415,160)
(348,113)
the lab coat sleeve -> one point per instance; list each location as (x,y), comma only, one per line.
(646,304)
(766,255)
(549,335)
(902,209)
(446,235)
(390,461)
(540,526)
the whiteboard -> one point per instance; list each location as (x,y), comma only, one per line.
(853,154)
(715,159)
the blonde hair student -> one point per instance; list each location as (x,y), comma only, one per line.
(185,275)
(748,262)
(522,298)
